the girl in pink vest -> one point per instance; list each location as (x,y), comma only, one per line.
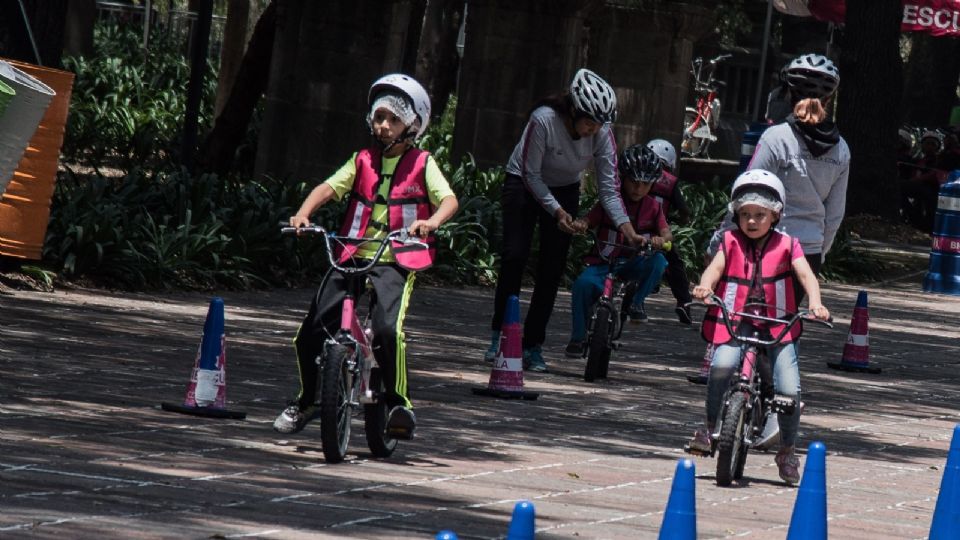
(389,186)
(757,264)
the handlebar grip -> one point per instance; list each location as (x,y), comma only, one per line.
(668,245)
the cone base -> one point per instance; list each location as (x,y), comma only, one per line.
(859,368)
(697,379)
(209,412)
(506,394)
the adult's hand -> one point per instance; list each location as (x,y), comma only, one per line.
(565,221)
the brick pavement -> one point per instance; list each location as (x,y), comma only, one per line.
(87,453)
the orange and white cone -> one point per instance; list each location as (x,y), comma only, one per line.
(856,352)
(506,375)
(207,388)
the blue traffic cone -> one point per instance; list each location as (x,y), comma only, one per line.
(522,522)
(680,517)
(207,389)
(506,374)
(946,515)
(446,535)
(809,520)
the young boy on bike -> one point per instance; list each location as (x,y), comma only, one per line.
(756,264)
(639,169)
(388,186)
(666,191)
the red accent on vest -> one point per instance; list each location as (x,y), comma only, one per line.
(406,203)
(662,190)
(608,232)
(776,278)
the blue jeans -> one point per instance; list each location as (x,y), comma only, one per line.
(786,382)
(647,271)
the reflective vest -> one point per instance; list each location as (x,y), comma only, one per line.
(776,280)
(608,232)
(407,202)
(662,190)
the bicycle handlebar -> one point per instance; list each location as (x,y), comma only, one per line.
(643,250)
(720,58)
(802,314)
(399,235)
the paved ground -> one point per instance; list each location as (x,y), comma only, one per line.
(85,452)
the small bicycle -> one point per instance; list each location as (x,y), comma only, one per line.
(750,396)
(349,375)
(607,317)
(700,123)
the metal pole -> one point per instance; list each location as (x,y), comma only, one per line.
(146,23)
(198,67)
(33,42)
(763,62)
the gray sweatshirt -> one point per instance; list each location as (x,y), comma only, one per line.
(816,188)
(547,156)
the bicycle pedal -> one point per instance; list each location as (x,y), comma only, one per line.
(783,404)
(696,452)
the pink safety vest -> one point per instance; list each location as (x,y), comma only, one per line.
(776,279)
(640,213)
(662,190)
(407,202)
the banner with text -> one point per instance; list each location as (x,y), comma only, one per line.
(938,17)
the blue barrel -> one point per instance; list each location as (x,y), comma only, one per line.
(944,273)
(749,143)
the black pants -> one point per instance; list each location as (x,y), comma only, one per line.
(393,286)
(521,213)
(677,278)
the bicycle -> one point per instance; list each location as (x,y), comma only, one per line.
(700,123)
(349,374)
(750,396)
(607,316)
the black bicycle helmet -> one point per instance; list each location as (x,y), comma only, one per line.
(640,164)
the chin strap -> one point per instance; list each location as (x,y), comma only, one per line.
(384,148)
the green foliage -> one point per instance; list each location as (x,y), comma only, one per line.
(128,103)
(732,21)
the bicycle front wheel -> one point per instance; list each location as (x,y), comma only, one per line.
(598,356)
(691,146)
(334,403)
(730,445)
(375,420)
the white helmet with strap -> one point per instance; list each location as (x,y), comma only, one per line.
(759,187)
(593,96)
(665,151)
(412,91)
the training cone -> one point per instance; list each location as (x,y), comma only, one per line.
(446,535)
(207,389)
(506,376)
(856,353)
(522,524)
(809,520)
(946,515)
(704,375)
(680,517)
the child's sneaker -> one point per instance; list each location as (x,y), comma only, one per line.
(401,423)
(683,314)
(294,419)
(788,465)
(637,314)
(491,353)
(700,444)
(533,359)
(574,349)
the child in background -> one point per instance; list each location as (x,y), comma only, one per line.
(639,169)
(755,263)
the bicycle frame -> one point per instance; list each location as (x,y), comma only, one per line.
(700,122)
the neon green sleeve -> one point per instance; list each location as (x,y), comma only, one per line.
(342,181)
(437,187)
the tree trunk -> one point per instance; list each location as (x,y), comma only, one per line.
(230,126)
(437,58)
(232,50)
(930,77)
(871,85)
(47,21)
(78,34)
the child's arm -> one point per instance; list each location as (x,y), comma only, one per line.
(710,276)
(320,196)
(809,283)
(423,227)
(665,236)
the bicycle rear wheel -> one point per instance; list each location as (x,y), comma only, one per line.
(375,420)
(334,403)
(598,356)
(730,445)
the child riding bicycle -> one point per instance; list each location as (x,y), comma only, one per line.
(756,264)
(388,186)
(639,169)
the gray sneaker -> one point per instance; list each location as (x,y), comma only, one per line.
(401,423)
(533,359)
(293,419)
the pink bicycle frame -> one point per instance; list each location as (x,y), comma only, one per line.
(703,110)
(350,323)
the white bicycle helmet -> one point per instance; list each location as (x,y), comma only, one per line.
(665,151)
(759,187)
(412,90)
(932,134)
(593,96)
(812,76)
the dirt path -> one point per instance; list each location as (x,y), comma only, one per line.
(87,453)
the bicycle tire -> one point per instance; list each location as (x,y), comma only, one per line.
(741,457)
(598,356)
(375,420)
(730,444)
(691,146)
(334,405)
